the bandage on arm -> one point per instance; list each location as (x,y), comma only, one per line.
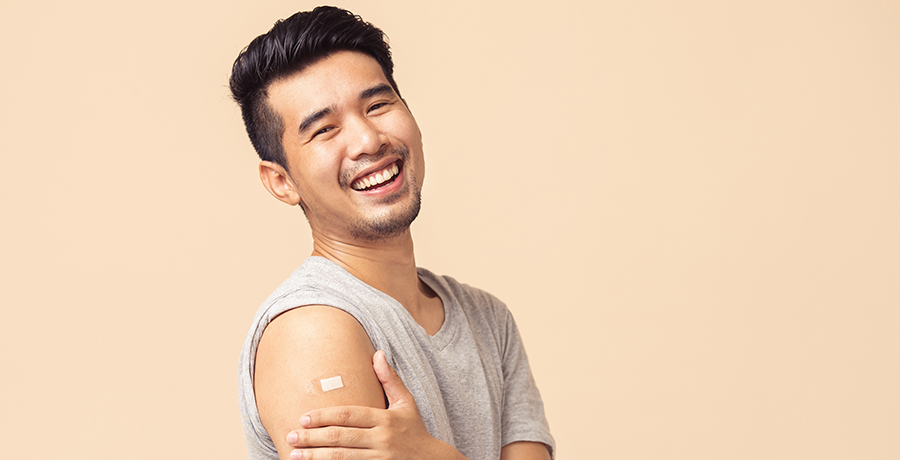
(309,358)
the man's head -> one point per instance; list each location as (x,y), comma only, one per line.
(290,46)
(323,112)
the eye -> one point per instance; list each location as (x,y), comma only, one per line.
(323,131)
(377,106)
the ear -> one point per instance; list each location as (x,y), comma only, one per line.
(278,182)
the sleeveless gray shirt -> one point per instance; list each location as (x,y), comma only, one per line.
(471,380)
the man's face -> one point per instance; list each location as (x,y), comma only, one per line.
(345,131)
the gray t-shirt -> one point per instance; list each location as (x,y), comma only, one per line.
(471,380)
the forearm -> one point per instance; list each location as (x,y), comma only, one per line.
(524,450)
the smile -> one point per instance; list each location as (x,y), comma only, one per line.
(378,178)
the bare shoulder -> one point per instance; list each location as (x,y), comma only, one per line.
(299,350)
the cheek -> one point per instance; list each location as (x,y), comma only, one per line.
(403,124)
(313,177)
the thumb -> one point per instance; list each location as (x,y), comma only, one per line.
(394,388)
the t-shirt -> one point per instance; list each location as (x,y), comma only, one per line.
(471,380)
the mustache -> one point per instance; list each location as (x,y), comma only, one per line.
(348,175)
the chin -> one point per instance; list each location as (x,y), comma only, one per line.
(390,225)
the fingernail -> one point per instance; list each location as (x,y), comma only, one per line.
(304,421)
(296,454)
(293,437)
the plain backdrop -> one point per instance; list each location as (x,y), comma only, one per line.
(692,209)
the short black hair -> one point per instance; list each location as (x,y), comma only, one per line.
(290,46)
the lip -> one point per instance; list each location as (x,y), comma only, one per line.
(381,165)
(376,167)
(388,189)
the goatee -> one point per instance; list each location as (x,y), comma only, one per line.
(397,221)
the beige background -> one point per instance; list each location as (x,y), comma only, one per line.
(692,208)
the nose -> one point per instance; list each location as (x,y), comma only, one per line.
(367,138)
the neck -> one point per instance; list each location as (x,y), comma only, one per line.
(388,265)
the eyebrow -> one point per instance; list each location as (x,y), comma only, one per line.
(310,119)
(377,90)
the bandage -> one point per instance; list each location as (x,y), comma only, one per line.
(332,383)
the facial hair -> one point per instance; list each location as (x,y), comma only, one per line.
(396,221)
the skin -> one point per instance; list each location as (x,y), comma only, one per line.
(342,122)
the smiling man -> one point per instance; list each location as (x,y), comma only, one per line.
(450,378)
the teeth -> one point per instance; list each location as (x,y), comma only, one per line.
(378,178)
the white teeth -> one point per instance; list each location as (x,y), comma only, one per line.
(378,178)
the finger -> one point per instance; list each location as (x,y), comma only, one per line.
(349,416)
(394,388)
(328,453)
(330,436)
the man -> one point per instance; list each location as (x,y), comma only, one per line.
(322,109)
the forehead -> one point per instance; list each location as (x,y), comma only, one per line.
(329,82)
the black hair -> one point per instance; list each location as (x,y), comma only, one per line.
(290,46)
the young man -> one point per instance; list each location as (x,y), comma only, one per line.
(323,111)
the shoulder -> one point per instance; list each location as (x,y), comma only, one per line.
(317,281)
(470,298)
(303,342)
(316,273)
(314,314)
(311,328)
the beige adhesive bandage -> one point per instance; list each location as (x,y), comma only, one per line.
(332,383)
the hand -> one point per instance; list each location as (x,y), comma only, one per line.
(357,432)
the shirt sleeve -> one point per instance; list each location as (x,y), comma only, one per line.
(523,410)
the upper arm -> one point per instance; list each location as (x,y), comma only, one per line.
(298,349)
(524,450)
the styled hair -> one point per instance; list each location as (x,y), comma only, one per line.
(290,46)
